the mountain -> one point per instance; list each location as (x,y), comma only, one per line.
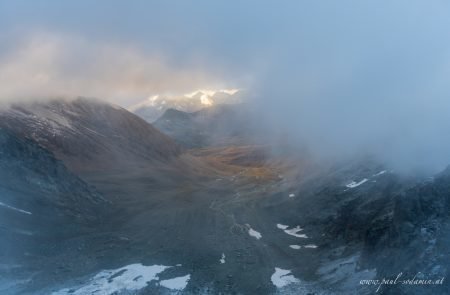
(111,205)
(42,204)
(369,223)
(88,134)
(152,108)
(212,126)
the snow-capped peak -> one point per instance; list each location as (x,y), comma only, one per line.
(154,106)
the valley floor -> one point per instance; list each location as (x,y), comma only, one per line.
(224,229)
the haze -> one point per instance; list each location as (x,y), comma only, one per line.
(343,78)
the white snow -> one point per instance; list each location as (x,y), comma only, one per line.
(45,118)
(15,209)
(294,232)
(282,226)
(297,247)
(311,246)
(282,278)
(176,283)
(354,184)
(222,260)
(380,173)
(132,277)
(254,233)
(291,195)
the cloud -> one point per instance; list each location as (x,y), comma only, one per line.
(342,77)
(44,65)
(365,79)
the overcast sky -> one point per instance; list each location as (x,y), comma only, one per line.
(130,49)
(344,76)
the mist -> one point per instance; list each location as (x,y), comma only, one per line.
(342,78)
(372,80)
(41,65)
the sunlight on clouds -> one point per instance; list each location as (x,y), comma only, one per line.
(207,94)
(50,65)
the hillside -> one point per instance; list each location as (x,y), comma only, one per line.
(88,134)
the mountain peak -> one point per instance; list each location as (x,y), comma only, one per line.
(154,106)
(89,133)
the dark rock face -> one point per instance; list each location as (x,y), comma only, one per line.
(396,225)
(415,235)
(41,202)
(88,134)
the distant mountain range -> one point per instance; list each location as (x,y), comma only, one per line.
(153,107)
(218,125)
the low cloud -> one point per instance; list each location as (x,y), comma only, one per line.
(341,77)
(373,79)
(44,65)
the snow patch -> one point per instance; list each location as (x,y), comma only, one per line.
(354,184)
(291,195)
(132,277)
(15,209)
(380,173)
(311,246)
(295,232)
(176,283)
(222,260)
(282,226)
(295,247)
(282,278)
(254,233)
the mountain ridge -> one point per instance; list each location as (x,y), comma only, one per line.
(87,134)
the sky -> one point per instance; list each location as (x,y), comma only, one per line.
(344,77)
(123,51)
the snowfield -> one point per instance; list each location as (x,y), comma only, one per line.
(129,278)
(254,233)
(282,226)
(282,278)
(176,283)
(354,184)
(380,173)
(311,246)
(295,232)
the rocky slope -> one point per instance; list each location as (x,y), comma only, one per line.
(41,205)
(89,134)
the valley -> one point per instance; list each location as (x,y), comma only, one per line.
(165,217)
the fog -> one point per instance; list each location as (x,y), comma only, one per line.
(47,64)
(371,79)
(343,78)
